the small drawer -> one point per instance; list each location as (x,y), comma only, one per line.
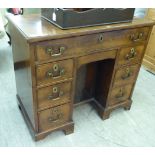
(54,95)
(53,117)
(131,55)
(54,72)
(120,94)
(53,50)
(125,75)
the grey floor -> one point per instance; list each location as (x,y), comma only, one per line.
(124,128)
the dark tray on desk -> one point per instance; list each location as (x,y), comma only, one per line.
(74,17)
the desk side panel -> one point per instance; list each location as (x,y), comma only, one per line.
(23,71)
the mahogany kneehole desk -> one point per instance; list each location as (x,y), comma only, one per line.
(56,69)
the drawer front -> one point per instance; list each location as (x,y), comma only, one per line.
(88,43)
(131,55)
(54,72)
(53,117)
(105,40)
(54,49)
(125,75)
(120,94)
(54,95)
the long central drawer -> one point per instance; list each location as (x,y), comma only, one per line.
(50,50)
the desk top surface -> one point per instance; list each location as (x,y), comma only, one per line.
(34,28)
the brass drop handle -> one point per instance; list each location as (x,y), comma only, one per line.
(120,94)
(50,73)
(53,53)
(56,118)
(55,72)
(127,74)
(56,94)
(136,38)
(131,54)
